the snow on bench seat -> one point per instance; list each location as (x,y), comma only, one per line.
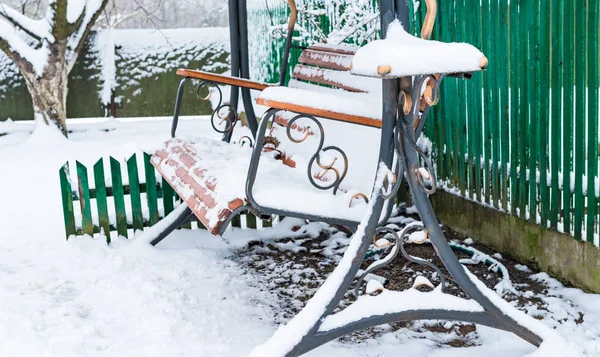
(402,54)
(210,176)
(352,108)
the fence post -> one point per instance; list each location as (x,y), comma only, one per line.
(67,200)
(119,197)
(101,200)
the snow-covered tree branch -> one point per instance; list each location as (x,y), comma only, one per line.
(45,50)
(353,21)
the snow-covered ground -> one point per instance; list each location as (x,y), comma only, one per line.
(187,297)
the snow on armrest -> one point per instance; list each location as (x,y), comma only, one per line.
(402,54)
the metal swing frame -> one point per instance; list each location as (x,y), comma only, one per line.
(398,139)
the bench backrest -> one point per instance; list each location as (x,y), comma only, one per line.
(329,65)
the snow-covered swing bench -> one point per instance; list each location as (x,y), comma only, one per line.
(389,85)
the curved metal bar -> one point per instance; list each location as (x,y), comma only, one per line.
(435,99)
(480,318)
(420,178)
(400,241)
(419,260)
(233,214)
(230,118)
(316,158)
(442,247)
(178,102)
(399,174)
(246,139)
(253,171)
(380,263)
(183,218)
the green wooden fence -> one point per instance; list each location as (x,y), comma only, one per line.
(532,114)
(523,136)
(131,197)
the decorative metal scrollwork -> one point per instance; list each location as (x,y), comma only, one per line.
(246,140)
(425,174)
(400,240)
(317,158)
(358,195)
(224,116)
(426,87)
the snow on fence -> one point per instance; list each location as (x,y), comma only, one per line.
(523,137)
(119,197)
(136,67)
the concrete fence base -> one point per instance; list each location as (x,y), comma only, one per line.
(569,260)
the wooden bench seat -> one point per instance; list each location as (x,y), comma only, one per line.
(210,176)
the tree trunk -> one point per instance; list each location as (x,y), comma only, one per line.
(49,92)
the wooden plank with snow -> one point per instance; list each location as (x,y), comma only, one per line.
(403,55)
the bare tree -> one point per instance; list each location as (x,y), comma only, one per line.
(45,48)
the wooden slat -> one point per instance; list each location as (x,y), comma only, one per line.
(221,79)
(84,199)
(236,221)
(134,194)
(593,211)
(250,220)
(544,99)
(151,194)
(67,200)
(568,102)
(515,77)
(119,197)
(340,62)
(101,200)
(324,76)
(580,114)
(556,84)
(344,50)
(320,113)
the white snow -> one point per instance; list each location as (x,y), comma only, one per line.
(185,298)
(105,45)
(75,10)
(353,104)
(408,56)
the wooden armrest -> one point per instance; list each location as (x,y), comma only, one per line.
(429,19)
(221,79)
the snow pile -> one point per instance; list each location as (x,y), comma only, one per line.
(188,297)
(408,56)
(106,49)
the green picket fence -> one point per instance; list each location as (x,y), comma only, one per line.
(131,197)
(523,136)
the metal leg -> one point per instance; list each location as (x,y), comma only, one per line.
(230,218)
(181,219)
(178,102)
(245,66)
(496,318)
